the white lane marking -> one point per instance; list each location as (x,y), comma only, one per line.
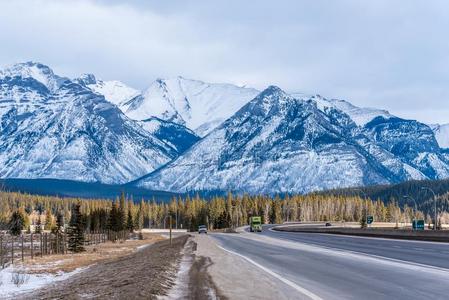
(284,280)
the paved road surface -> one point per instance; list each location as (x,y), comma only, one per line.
(343,267)
(428,253)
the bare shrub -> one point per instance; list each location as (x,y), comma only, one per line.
(19,277)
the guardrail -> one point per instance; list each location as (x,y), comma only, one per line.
(425,235)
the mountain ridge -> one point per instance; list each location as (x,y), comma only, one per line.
(298,131)
(52,127)
(236,138)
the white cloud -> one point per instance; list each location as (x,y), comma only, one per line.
(385,54)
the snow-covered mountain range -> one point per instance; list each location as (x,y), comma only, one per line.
(182,134)
(53,127)
(277,143)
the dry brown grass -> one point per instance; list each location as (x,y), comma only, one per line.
(94,253)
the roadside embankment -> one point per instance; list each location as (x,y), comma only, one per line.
(147,273)
(425,235)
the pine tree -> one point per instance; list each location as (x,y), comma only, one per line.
(363,222)
(59,222)
(114,218)
(122,214)
(48,220)
(129,221)
(16,223)
(276,211)
(38,226)
(76,230)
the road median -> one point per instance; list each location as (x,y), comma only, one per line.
(426,235)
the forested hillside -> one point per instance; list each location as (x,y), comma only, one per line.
(401,193)
(219,212)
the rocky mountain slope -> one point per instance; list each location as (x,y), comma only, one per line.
(276,144)
(52,127)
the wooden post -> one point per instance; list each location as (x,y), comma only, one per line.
(22,248)
(64,245)
(170,229)
(32,247)
(1,251)
(41,244)
(12,250)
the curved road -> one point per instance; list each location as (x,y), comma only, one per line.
(345,267)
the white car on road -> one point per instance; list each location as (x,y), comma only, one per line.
(202,229)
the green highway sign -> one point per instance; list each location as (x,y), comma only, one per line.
(369,220)
(418,224)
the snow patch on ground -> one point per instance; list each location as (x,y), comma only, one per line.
(139,248)
(9,290)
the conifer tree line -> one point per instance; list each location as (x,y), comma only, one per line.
(189,212)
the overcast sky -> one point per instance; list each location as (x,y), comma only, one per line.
(386,54)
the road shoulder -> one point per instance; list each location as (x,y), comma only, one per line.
(234,277)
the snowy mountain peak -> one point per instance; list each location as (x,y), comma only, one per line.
(360,115)
(198,105)
(86,79)
(114,91)
(274,91)
(36,71)
(265,101)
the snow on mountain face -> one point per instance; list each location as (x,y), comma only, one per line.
(274,144)
(175,135)
(55,128)
(195,104)
(114,91)
(441,134)
(360,115)
(36,71)
(411,141)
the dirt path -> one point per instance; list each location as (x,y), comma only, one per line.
(144,274)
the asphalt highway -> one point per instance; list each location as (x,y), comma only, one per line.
(428,253)
(345,267)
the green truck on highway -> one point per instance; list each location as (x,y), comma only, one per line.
(255,224)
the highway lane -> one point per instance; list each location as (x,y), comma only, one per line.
(338,273)
(428,253)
